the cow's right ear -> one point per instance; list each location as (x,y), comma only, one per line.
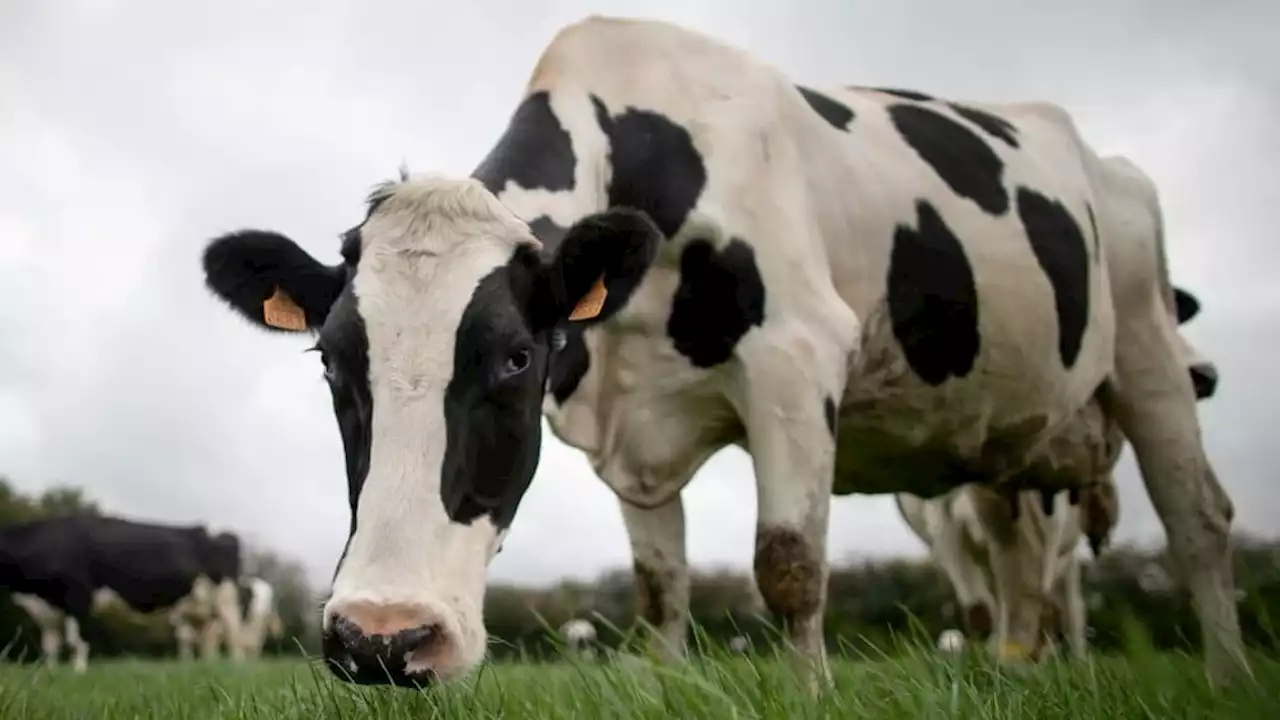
(267,278)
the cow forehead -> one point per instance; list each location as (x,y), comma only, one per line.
(433,215)
(425,247)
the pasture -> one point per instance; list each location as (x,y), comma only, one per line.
(915,685)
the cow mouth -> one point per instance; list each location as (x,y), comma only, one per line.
(371,670)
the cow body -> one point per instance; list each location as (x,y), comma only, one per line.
(868,292)
(61,569)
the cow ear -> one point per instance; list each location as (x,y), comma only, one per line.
(267,278)
(1187,305)
(596,268)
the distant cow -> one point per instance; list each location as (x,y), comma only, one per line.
(61,569)
(261,617)
(673,248)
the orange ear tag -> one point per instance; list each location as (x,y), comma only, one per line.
(282,312)
(591,303)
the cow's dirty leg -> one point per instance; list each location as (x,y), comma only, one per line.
(1155,405)
(791,430)
(50,646)
(661,575)
(227,607)
(79,648)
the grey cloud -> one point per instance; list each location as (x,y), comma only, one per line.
(134,132)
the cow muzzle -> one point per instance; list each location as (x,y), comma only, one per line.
(400,644)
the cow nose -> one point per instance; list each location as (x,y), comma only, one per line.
(384,644)
(1204,378)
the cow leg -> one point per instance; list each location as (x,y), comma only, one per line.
(227,606)
(661,573)
(50,645)
(210,638)
(967,578)
(48,619)
(1069,597)
(793,387)
(186,639)
(79,648)
(1153,401)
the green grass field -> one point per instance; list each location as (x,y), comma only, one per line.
(916,686)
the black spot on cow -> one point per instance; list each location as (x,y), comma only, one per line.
(837,114)
(1060,248)
(993,125)
(568,365)
(933,301)
(964,162)
(534,151)
(721,295)
(829,414)
(656,167)
(905,94)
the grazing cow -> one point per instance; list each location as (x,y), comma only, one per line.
(261,617)
(685,250)
(1012,561)
(61,569)
(256,603)
(579,634)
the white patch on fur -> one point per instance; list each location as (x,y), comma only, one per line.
(424,251)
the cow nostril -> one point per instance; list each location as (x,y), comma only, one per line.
(415,641)
(349,634)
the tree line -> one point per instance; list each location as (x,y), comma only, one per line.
(1132,593)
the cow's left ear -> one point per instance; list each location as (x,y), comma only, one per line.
(596,268)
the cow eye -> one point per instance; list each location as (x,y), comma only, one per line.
(516,363)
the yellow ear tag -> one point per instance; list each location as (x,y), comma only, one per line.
(282,312)
(591,303)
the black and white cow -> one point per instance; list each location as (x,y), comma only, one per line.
(685,250)
(61,569)
(1012,561)
(262,619)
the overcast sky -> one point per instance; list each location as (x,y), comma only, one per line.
(132,132)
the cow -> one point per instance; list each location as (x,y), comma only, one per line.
(261,617)
(259,620)
(61,569)
(1011,560)
(673,248)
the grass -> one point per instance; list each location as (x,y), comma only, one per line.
(917,685)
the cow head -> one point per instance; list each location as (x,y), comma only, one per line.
(433,334)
